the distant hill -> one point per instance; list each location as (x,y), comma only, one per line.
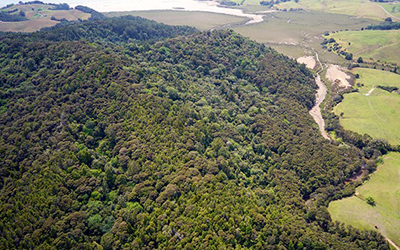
(32,16)
(119,29)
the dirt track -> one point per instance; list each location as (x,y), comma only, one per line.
(315,112)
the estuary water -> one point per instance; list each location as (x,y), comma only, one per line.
(123,5)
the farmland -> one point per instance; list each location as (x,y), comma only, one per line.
(376,113)
(382,45)
(358,8)
(39,16)
(392,8)
(384,189)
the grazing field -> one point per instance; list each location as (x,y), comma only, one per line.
(27,26)
(373,111)
(383,45)
(358,8)
(198,19)
(392,8)
(39,16)
(384,188)
(303,29)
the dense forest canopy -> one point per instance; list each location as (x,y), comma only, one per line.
(196,141)
(117,29)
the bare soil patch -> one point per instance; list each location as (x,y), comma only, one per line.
(337,75)
(309,61)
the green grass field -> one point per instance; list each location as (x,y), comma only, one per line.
(392,8)
(358,8)
(383,45)
(384,188)
(377,114)
(39,16)
(301,28)
(200,20)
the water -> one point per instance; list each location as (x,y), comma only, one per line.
(123,5)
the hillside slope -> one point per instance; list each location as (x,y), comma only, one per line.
(200,141)
(35,15)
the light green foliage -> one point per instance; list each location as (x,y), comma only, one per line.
(130,206)
(94,221)
(96,195)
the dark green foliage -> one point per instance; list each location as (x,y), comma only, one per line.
(94,15)
(326,41)
(348,56)
(61,6)
(272,2)
(388,24)
(5,17)
(389,88)
(370,201)
(200,142)
(118,29)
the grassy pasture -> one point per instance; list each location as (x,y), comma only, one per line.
(198,19)
(384,188)
(377,114)
(39,16)
(27,26)
(383,45)
(300,28)
(392,8)
(359,8)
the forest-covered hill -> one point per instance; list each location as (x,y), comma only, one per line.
(196,141)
